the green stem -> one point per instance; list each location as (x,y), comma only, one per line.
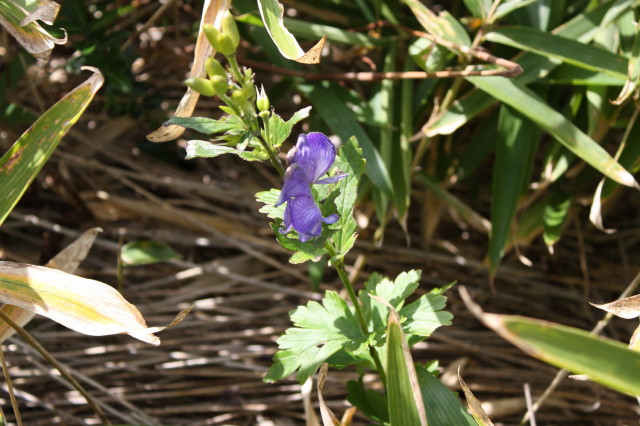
(275,161)
(344,277)
(235,69)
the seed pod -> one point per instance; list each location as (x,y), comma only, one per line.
(214,67)
(200,85)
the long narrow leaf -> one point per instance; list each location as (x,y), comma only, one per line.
(20,165)
(532,106)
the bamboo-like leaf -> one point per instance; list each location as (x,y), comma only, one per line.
(272,15)
(442,25)
(20,165)
(605,361)
(581,28)
(444,406)
(81,304)
(19,18)
(561,48)
(516,142)
(212,13)
(633,73)
(533,107)
(406,406)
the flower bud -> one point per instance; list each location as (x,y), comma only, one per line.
(200,85)
(219,84)
(230,29)
(214,67)
(262,102)
(246,92)
(225,45)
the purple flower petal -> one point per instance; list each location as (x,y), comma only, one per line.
(315,153)
(295,184)
(333,179)
(332,218)
(306,217)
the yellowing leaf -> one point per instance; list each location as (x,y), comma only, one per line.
(272,15)
(19,19)
(68,261)
(626,308)
(212,13)
(84,305)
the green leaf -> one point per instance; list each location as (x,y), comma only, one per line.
(567,50)
(581,28)
(321,330)
(20,165)
(269,198)
(371,402)
(507,7)
(605,361)
(272,16)
(555,215)
(208,126)
(443,25)
(343,122)
(146,252)
(536,109)
(478,8)
(349,161)
(206,149)
(279,130)
(444,407)
(425,315)
(310,250)
(404,402)
(517,140)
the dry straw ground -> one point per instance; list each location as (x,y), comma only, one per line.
(208,369)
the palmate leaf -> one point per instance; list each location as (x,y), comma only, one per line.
(310,250)
(320,330)
(419,319)
(279,130)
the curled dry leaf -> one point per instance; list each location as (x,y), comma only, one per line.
(68,261)
(84,305)
(272,13)
(19,18)
(212,13)
(475,407)
(626,308)
(328,418)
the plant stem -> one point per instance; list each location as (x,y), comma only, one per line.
(344,277)
(235,69)
(272,156)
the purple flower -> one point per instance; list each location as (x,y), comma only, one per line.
(309,160)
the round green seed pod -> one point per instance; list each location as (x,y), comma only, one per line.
(201,85)
(214,67)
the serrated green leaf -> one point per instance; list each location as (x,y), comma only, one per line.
(269,198)
(20,165)
(349,161)
(310,250)
(279,130)
(426,314)
(321,330)
(208,126)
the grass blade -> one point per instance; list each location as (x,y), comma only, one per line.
(24,160)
